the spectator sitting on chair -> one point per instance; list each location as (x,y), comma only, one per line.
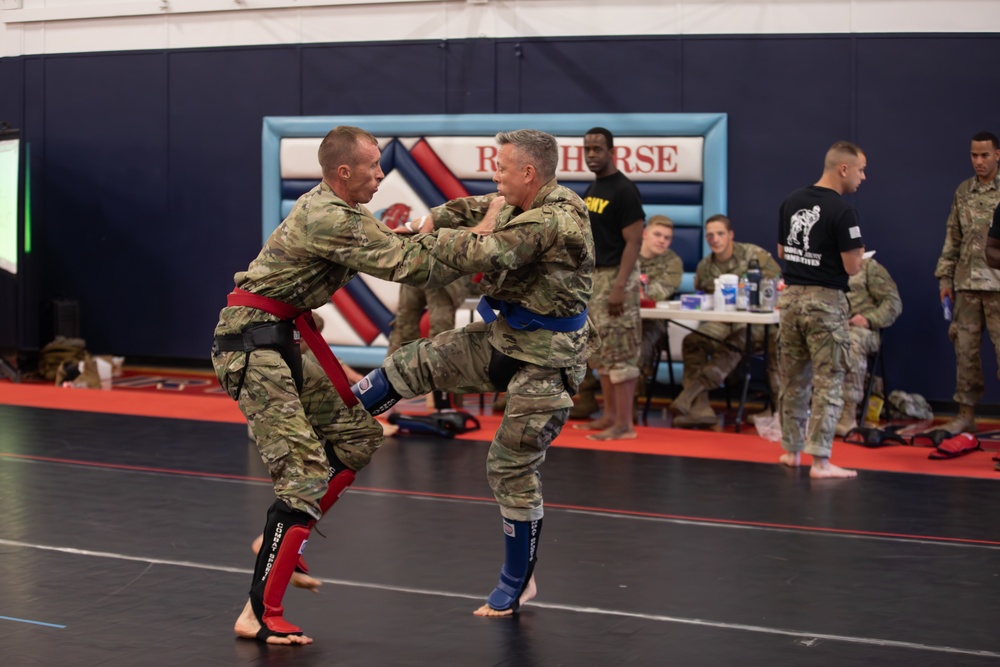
(660,273)
(712,353)
(874,304)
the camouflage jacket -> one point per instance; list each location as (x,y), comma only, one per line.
(321,245)
(963,258)
(874,295)
(708,269)
(541,259)
(661,274)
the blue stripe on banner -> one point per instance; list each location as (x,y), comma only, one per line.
(411,172)
(477,188)
(370,304)
(286,207)
(388,159)
(666,193)
(24,620)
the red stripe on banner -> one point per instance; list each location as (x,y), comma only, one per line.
(437,171)
(355,316)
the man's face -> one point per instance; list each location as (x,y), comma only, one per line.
(600,159)
(656,239)
(510,176)
(985,159)
(719,239)
(366,173)
(855,172)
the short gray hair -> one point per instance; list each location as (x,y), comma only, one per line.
(539,149)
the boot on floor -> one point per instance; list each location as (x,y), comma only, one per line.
(585,401)
(847,420)
(700,414)
(964,421)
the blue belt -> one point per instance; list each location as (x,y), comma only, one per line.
(520,317)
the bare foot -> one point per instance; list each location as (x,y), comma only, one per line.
(595,425)
(790,459)
(299,579)
(529,592)
(614,433)
(830,471)
(387,428)
(247,626)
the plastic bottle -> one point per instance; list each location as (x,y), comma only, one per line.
(742,294)
(719,299)
(946,304)
(753,284)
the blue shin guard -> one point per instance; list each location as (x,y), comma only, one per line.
(375,392)
(521,546)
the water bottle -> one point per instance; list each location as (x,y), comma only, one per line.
(742,294)
(753,284)
(946,304)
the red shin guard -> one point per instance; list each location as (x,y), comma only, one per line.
(285,538)
(339,481)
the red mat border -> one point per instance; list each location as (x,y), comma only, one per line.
(658,441)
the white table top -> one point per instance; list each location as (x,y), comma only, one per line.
(662,311)
(674,312)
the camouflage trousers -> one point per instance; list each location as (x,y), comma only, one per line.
(618,356)
(653,333)
(864,343)
(715,351)
(291,428)
(813,351)
(441,304)
(538,406)
(974,311)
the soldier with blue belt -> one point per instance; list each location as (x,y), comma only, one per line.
(535,347)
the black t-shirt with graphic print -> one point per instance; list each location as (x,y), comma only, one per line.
(815,225)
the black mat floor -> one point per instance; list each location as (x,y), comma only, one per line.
(124,541)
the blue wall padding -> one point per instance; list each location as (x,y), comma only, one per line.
(293,188)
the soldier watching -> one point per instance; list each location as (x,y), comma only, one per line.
(967,281)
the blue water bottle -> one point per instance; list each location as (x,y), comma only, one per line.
(946,304)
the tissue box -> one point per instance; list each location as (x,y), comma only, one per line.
(691,302)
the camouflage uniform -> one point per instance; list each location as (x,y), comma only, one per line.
(321,245)
(814,346)
(441,304)
(541,259)
(707,361)
(962,266)
(874,296)
(618,357)
(661,276)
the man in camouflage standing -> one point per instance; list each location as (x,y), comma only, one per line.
(819,237)
(874,305)
(536,346)
(300,410)
(712,353)
(966,280)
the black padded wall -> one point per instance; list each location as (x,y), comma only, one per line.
(147,164)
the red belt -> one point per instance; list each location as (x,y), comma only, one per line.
(306,325)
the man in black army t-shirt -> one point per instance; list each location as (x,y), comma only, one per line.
(819,238)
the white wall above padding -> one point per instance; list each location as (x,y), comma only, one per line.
(64,26)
